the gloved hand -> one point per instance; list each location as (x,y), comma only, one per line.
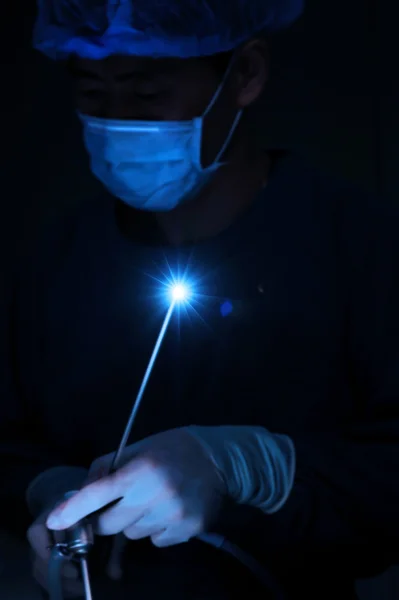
(43,494)
(170,486)
(39,539)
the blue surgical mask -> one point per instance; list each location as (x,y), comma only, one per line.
(151,165)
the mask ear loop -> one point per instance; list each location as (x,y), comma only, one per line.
(212,104)
(229,137)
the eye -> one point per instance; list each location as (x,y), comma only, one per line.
(150,96)
(91,94)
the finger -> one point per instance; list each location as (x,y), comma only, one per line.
(139,532)
(96,495)
(98,472)
(166,538)
(114,571)
(116,519)
(163,514)
(72,588)
(88,500)
(69,570)
(146,492)
(102,466)
(39,540)
(177,534)
(114,567)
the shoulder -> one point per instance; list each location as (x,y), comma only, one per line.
(356,208)
(50,240)
(307,188)
(322,184)
(363,226)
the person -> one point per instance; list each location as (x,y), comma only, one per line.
(271,415)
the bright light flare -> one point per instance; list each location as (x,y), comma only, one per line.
(180,292)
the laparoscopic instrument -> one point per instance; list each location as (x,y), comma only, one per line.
(79,539)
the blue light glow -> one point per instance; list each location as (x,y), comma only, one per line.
(179,292)
(226,308)
(173,286)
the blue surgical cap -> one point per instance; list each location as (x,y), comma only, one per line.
(155,28)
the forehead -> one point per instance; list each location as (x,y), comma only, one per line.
(117,67)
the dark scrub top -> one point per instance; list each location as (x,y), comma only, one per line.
(293,325)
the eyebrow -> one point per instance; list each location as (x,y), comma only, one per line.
(143,75)
(79,72)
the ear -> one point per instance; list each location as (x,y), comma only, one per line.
(252,72)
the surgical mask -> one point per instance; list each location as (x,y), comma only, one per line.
(152,165)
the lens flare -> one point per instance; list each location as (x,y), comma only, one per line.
(180,292)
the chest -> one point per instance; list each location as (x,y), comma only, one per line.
(260,342)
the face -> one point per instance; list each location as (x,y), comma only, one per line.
(136,88)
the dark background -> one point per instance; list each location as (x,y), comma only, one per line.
(334,96)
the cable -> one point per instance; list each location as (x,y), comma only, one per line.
(262,575)
(57,560)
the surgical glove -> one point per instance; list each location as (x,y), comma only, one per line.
(258,467)
(169,490)
(171,485)
(39,540)
(42,495)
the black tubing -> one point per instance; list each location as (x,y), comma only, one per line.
(260,572)
(57,561)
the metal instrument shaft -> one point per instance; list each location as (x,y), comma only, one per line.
(143,386)
(86,578)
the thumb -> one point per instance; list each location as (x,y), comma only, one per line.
(39,539)
(98,470)
(101,467)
